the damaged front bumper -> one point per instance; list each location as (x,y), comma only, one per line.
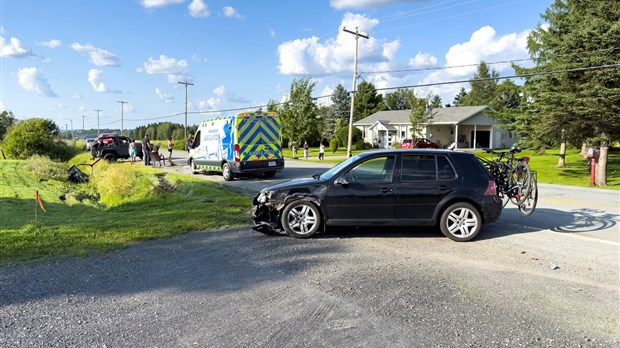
(265,216)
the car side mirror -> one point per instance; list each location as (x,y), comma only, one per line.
(341,181)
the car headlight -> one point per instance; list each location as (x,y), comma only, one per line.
(263,197)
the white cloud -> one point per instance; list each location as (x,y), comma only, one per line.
(222,95)
(98,56)
(198,8)
(165,97)
(358,4)
(94,78)
(231,12)
(175,70)
(196,58)
(14,48)
(483,45)
(423,60)
(51,43)
(335,55)
(159,3)
(32,80)
(2,107)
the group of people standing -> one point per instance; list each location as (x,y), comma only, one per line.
(147,149)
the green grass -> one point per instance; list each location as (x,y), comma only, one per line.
(576,172)
(81,224)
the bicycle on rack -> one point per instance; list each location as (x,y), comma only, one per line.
(514,179)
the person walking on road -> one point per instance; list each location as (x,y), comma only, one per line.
(321,151)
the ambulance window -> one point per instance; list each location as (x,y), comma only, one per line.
(197,139)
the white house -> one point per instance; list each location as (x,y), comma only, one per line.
(465,127)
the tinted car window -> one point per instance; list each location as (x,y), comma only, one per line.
(375,170)
(445,171)
(418,167)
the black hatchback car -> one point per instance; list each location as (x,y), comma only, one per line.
(448,189)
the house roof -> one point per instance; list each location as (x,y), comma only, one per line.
(448,115)
(385,124)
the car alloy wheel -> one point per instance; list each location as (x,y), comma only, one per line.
(461,222)
(301,219)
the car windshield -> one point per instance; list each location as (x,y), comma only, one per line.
(330,173)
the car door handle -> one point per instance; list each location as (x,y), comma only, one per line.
(385,190)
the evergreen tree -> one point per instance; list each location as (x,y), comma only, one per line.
(459,99)
(398,99)
(341,103)
(435,102)
(580,106)
(483,87)
(367,101)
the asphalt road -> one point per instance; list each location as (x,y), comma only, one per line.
(548,280)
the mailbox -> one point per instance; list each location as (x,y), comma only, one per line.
(593,153)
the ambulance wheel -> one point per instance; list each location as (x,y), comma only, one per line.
(270,174)
(226,173)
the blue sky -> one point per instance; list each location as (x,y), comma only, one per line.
(62,59)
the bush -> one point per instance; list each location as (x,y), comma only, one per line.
(32,137)
(362,145)
(333,145)
(43,168)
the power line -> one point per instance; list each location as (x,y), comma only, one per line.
(443,67)
(600,67)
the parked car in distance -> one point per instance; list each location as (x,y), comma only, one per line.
(420,143)
(448,189)
(89,143)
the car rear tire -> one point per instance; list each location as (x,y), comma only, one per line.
(109,157)
(461,222)
(226,173)
(301,219)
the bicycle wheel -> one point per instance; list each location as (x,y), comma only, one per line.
(527,207)
(521,181)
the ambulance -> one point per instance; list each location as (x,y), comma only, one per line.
(248,142)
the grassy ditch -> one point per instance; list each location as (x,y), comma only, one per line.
(121,204)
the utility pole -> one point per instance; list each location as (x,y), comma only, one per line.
(72,137)
(97,122)
(83,130)
(353,89)
(67,130)
(186,84)
(122,113)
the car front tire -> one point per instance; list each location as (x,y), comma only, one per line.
(461,222)
(301,219)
